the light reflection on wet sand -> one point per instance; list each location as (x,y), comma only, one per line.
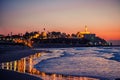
(26,65)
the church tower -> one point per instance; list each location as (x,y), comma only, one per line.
(86,30)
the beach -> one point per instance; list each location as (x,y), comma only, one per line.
(60,63)
(12,54)
(19,65)
(15,55)
(12,75)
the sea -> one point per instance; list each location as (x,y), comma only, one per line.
(97,62)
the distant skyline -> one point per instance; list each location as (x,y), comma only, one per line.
(101,16)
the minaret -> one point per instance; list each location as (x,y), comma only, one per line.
(86,28)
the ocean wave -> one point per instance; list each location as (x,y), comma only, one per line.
(81,62)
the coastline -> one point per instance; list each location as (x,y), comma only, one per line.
(12,55)
(33,73)
(69,45)
(47,70)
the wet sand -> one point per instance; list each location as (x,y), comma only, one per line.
(11,55)
(11,75)
(6,56)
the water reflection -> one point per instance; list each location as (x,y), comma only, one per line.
(26,65)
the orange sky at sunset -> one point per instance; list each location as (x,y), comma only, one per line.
(102,17)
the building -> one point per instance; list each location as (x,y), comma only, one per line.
(1,36)
(43,34)
(85,34)
(89,36)
(86,31)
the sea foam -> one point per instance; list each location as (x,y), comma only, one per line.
(83,61)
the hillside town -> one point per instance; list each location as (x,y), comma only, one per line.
(35,39)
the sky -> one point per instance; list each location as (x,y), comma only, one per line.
(102,17)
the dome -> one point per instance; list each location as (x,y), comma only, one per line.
(44,35)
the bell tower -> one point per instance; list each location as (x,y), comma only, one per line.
(86,30)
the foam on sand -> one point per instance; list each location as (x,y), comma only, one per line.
(81,62)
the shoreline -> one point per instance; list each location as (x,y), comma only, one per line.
(101,78)
(33,74)
(12,55)
(69,45)
(26,53)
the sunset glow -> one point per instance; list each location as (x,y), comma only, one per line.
(101,16)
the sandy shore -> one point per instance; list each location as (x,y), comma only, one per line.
(11,75)
(11,55)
